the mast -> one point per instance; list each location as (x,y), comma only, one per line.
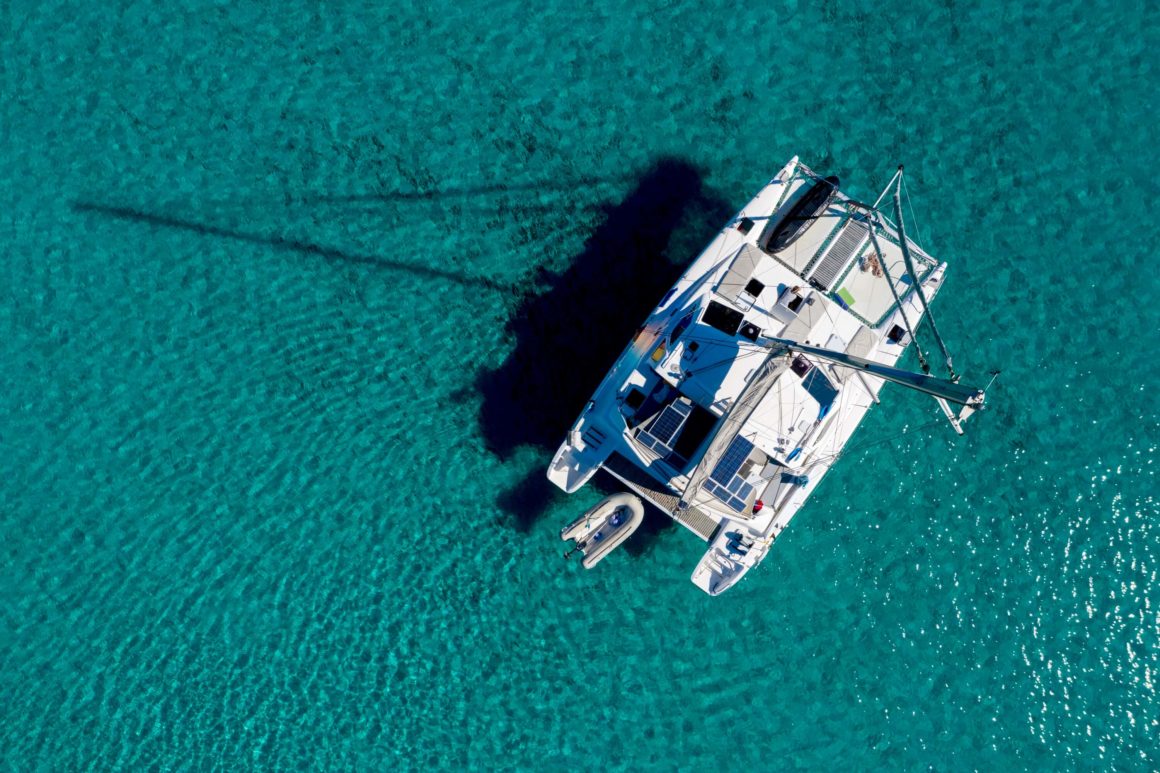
(914,275)
(889,185)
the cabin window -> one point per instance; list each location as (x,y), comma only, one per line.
(754,287)
(634,399)
(681,327)
(723,318)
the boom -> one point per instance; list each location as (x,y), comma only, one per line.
(951,391)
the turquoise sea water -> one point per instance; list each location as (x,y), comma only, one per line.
(298,299)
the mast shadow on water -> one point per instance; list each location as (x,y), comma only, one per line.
(570,327)
(563,186)
(288,244)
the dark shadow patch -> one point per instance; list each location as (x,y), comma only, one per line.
(530,496)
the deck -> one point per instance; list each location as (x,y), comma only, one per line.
(834,254)
(648,487)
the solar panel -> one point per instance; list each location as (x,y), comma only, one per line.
(667,424)
(652,442)
(736,501)
(724,482)
(731,461)
(664,428)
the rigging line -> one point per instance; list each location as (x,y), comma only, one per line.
(701,338)
(918,284)
(914,219)
(704,338)
(784,195)
(886,190)
(894,292)
(719,363)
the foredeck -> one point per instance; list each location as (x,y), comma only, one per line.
(646,486)
(835,255)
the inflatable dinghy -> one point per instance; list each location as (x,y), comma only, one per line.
(607,525)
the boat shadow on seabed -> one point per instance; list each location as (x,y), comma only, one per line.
(570,327)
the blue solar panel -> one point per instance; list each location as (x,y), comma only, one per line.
(652,442)
(724,482)
(665,427)
(667,424)
(738,502)
(717,491)
(731,461)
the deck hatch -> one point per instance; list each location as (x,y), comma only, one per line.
(820,388)
(723,318)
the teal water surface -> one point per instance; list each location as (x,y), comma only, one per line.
(298,299)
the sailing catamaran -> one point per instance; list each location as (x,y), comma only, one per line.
(746,381)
